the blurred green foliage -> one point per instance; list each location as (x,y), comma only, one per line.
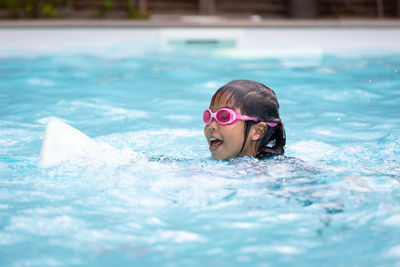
(48,11)
(133,12)
(32,8)
(105,6)
(136,14)
(26,9)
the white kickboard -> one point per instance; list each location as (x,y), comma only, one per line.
(61,141)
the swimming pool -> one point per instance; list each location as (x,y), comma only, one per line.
(161,200)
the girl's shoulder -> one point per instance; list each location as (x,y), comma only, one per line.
(291,163)
(280,158)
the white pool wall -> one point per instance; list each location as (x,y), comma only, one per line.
(249,42)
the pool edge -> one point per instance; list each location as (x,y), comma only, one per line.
(201,22)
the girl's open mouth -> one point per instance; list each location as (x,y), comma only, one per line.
(215,143)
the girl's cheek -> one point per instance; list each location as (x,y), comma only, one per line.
(206,129)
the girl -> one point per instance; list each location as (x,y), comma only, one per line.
(243,120)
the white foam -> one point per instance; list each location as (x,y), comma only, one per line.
(181,236)
(46,226)
(62,141)
(312,150)
(393,220)
(394,252)
(288,216)
(211,85)
(178,117)
(244,225)
(283,249)
(40,82)
(106,110)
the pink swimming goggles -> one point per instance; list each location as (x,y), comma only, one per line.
(226,116)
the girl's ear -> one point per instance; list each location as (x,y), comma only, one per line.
(258,131)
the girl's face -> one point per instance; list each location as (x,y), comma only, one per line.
(226,141)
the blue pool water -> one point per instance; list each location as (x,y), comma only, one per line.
(334,200)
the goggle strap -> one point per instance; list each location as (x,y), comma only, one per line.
(247,118)
(273,124)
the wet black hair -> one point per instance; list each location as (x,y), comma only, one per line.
(256,100)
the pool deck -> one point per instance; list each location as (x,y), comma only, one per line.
(164,21)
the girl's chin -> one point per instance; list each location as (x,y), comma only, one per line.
(217,156)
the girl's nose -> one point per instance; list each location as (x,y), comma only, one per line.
(213,125)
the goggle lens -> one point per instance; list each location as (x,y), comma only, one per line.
(223,116)
(207,116)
